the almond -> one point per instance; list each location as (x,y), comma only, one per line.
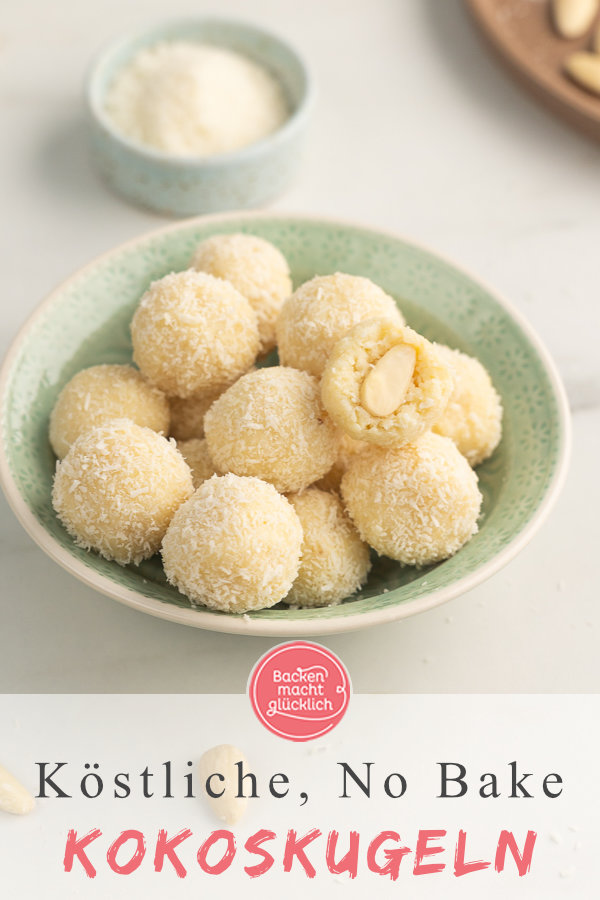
(14,798)
(572,18)
(222,759)
(385,387)
(584,68)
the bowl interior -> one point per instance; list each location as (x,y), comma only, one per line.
(86,321)
(270,51)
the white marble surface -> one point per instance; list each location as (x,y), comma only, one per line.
(417,130)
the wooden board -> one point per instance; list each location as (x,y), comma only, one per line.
(522,33)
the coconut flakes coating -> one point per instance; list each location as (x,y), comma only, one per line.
(473,416)
(187,414)
(321,311)
(256,268)
(99,394)
(117,489)
(271,424)
(347,448)
(353,358)
(335,562)
(192,332)
(196,455)
(417,503)
(234,546)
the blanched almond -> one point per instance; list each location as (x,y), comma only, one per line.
(572,18)
(385,387)
(223,759)
(584,68)
(14,798)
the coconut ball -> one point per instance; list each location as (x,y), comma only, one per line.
(192,332)
(417,503)
(256,268)
(335,562)
(99,394)
(271,424)
(347,448)
(384,383)
(196,455)
(473,416)
(187,414)
(321,311)
(117,489)
(234,546)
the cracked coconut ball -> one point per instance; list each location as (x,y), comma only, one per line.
(117,489)
(99,394)
(321,311)
(234,546)
(192,332)
(473,416)
(417,503)
(256,268)
(385,384)
(271,424)
(335,562)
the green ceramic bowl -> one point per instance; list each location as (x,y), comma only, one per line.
(86,321)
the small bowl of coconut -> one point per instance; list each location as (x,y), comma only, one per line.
(199,116)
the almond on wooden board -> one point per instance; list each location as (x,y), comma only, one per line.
(584,69)
(572,18)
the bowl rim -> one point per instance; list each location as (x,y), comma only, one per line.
(290,126)
(229,624)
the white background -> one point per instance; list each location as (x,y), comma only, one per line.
(409,735)
(418,130)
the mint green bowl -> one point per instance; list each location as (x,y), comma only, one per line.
(86,321)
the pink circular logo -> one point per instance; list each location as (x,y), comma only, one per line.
(299,690)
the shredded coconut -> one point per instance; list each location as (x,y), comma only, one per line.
(101,393)
(473,417)
(189,98)
(117,489)
(335,562)
(256,268)
(271,424)
(426,505)
(192,332)
(195,452)
(321,311)
(352,357)
(234,546)
(187,415)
